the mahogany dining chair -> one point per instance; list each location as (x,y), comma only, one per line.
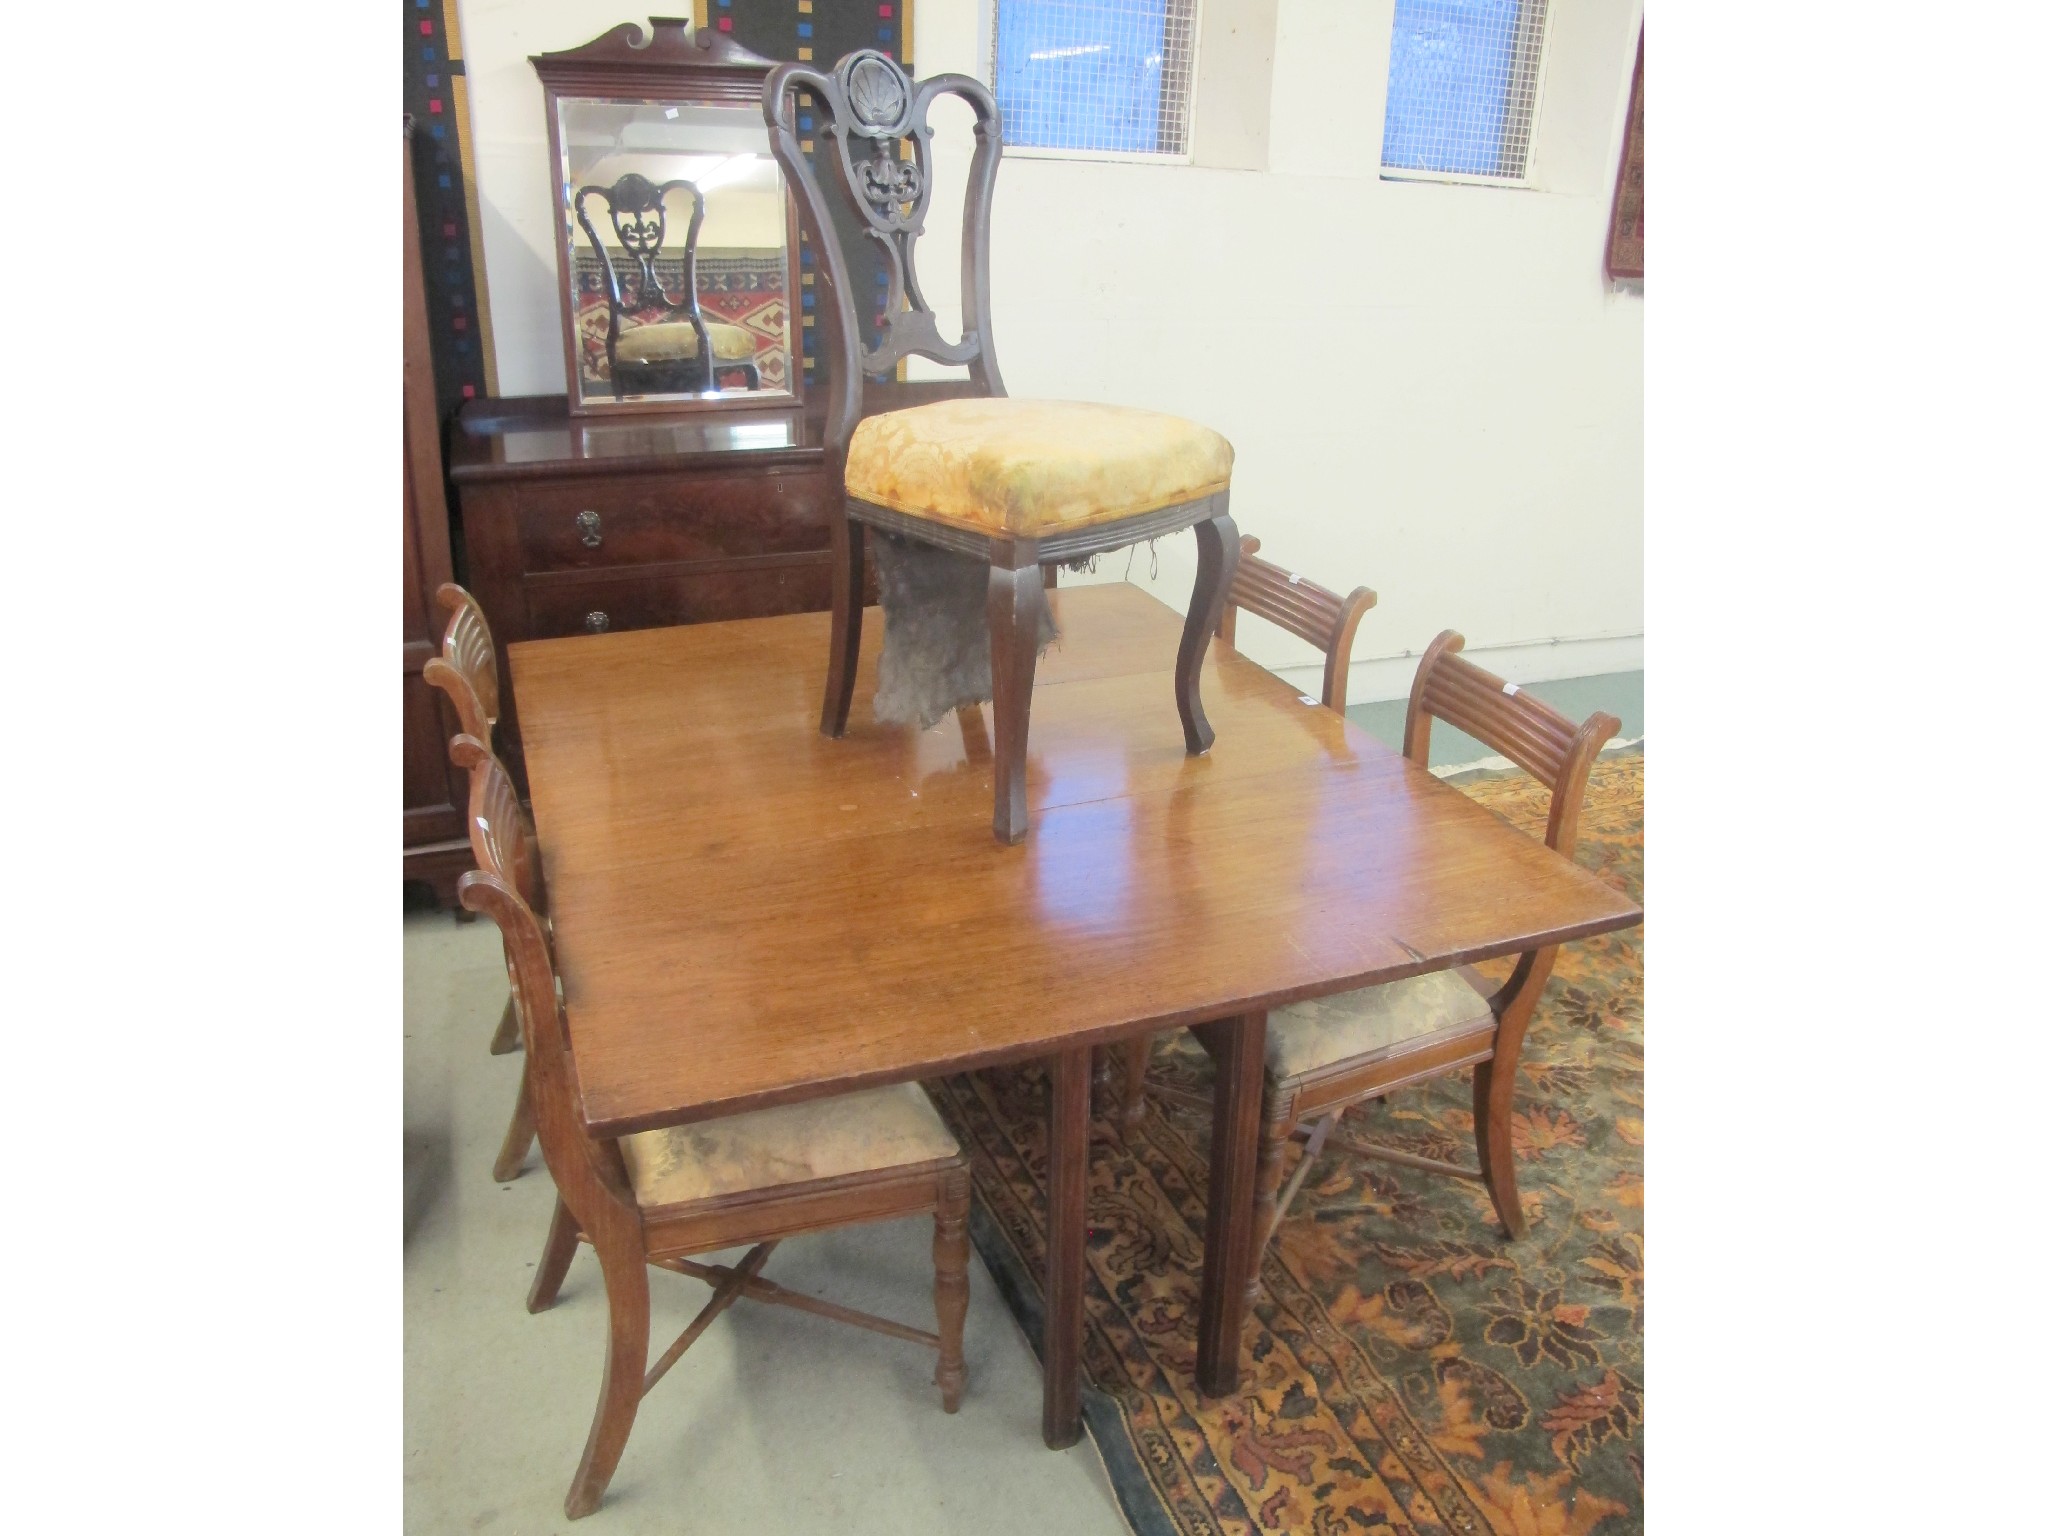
(982,494)
(467,671)
(656,1197)
(1328,1054)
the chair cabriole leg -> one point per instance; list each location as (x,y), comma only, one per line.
(849,587)
(1216,552)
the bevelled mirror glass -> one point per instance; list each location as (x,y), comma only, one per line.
(674,229)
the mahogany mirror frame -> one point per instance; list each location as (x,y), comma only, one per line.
(661,62)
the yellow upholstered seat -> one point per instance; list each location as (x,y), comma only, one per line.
(674,340)
(864,1132)
(1032,466)
(1304,1037)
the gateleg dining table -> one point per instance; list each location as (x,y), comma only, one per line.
(747,913)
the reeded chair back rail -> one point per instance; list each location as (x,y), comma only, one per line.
(467,671)
(595,1199)
(467,668)
(874,127)
(1301,607)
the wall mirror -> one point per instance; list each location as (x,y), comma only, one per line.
(674,235)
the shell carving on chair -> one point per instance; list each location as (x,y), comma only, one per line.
(878,93)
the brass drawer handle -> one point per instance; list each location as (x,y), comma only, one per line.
(597,622)
(591,526)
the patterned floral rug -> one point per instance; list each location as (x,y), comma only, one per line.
(1407,1368)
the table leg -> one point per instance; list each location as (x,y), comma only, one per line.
(1229,1245)
(1066,1219)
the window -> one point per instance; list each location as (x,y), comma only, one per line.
(1110,77)
(1461,87)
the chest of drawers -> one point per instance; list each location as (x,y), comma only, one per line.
(572,527)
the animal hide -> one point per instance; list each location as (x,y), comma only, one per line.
(935,631)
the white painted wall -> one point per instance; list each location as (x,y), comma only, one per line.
(1430,387)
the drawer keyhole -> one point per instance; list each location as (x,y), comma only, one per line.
(591,526)
(597,622)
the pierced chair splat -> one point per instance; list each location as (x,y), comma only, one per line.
(1012,488)
(657,1197)
(683,355)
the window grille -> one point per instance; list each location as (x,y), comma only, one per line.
(1461,87)
(1098,76)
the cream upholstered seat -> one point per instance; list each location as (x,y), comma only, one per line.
(673,340)
(878,1128)
(1355,1027)
(1003,465)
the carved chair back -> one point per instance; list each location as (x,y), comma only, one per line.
(500,834)
(1525,730)
(467,668)
(1301,607)
(587,1172)
(874,129)
(639,218)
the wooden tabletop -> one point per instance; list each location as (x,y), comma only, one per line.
(746,912)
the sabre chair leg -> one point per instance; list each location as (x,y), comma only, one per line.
(555,1257)
(1137,1057)
(849,587)
(1274,1134)
(518,1135)
(625,1368)
(949,1285)
(1216,552)
(506,1040)
(1016,600)
(1493,1108)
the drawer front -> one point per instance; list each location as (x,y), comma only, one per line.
(643,520)
(611,600)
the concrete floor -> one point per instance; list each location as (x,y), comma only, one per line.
(774,1421)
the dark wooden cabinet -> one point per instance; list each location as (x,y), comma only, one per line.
(575,527)
(436,847)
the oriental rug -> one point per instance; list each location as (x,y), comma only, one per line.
(1407,1368)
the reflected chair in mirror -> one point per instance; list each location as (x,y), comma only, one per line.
(1328,1054)
(1327,622)
(467,671)
(1012,486)
(756,1178)
(669,356)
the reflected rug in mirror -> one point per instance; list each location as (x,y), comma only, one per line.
(1407,1368)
